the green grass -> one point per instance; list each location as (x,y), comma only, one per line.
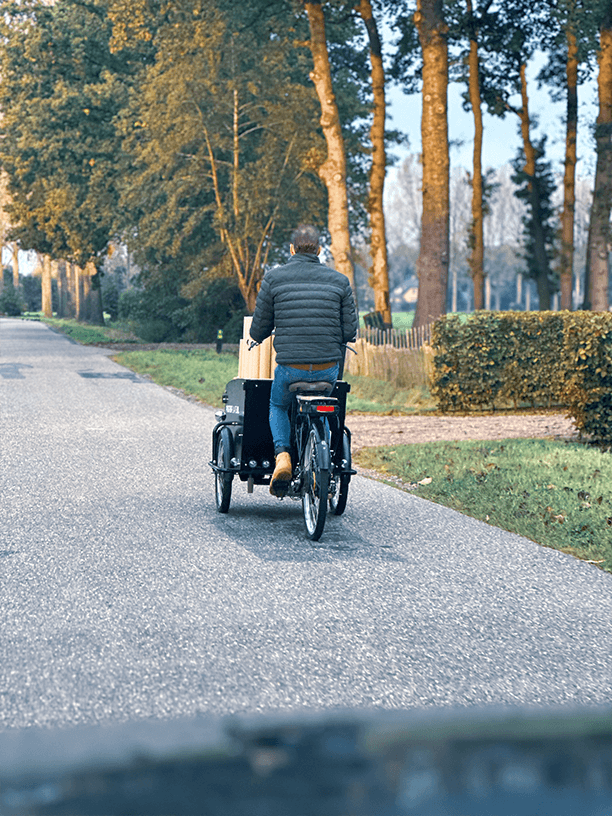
(370,396)
(403,320)
(556,493)
(200,373)
(90,335)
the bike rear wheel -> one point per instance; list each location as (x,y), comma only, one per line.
(223,481)
(339,498)
(316,485)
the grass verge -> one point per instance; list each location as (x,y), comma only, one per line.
(92,335)
(556,493)
(370,396)
(202,373)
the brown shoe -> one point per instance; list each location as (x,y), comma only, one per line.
(281,478)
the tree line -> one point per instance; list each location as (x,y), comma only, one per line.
(198,133)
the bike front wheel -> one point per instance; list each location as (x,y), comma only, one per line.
(223,481)
(316,485)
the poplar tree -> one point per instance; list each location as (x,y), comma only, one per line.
(421,62)
(433,261)
(571,48)
(517,29)
(597,283)
(476,258)
(379,277)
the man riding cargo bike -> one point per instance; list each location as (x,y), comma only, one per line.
(311,311)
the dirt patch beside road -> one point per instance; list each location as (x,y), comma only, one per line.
(370,431)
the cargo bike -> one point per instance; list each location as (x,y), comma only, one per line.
(242,446)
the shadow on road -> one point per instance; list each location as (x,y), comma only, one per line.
(276,532)
(12,371)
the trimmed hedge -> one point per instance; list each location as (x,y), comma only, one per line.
(503,359)
(588,341)
(498,359)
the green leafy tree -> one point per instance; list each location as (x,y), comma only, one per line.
(223,150)
(11,302)
(224,136)
(60,91)
(540,226)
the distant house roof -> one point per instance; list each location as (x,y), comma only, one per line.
(407,291)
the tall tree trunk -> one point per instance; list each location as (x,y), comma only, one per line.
(15,261)
(78,292)
(62,289)
(539,243)
(476,259)
(333,169)
(95,310)
(55,277)
(566,266)
(47,304)
(586,294)
(70,290)
(432,264)
(85,299)
(4,221)
(596,297)
(379,271)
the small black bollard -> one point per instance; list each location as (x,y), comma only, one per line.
(219,340)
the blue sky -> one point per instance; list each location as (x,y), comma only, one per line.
(501,137)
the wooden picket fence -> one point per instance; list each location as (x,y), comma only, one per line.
(402,357)
(396,338)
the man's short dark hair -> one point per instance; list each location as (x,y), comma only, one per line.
(306,239)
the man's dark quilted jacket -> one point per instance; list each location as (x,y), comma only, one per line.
(312,309)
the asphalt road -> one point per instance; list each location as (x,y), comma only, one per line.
(124,595)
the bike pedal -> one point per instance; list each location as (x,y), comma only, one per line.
(279,489)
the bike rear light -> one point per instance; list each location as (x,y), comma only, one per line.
(326,409)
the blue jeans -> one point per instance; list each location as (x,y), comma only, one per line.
(280,399)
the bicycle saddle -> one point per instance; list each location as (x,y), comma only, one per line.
(318,387)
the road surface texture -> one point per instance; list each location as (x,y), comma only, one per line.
(124,595)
